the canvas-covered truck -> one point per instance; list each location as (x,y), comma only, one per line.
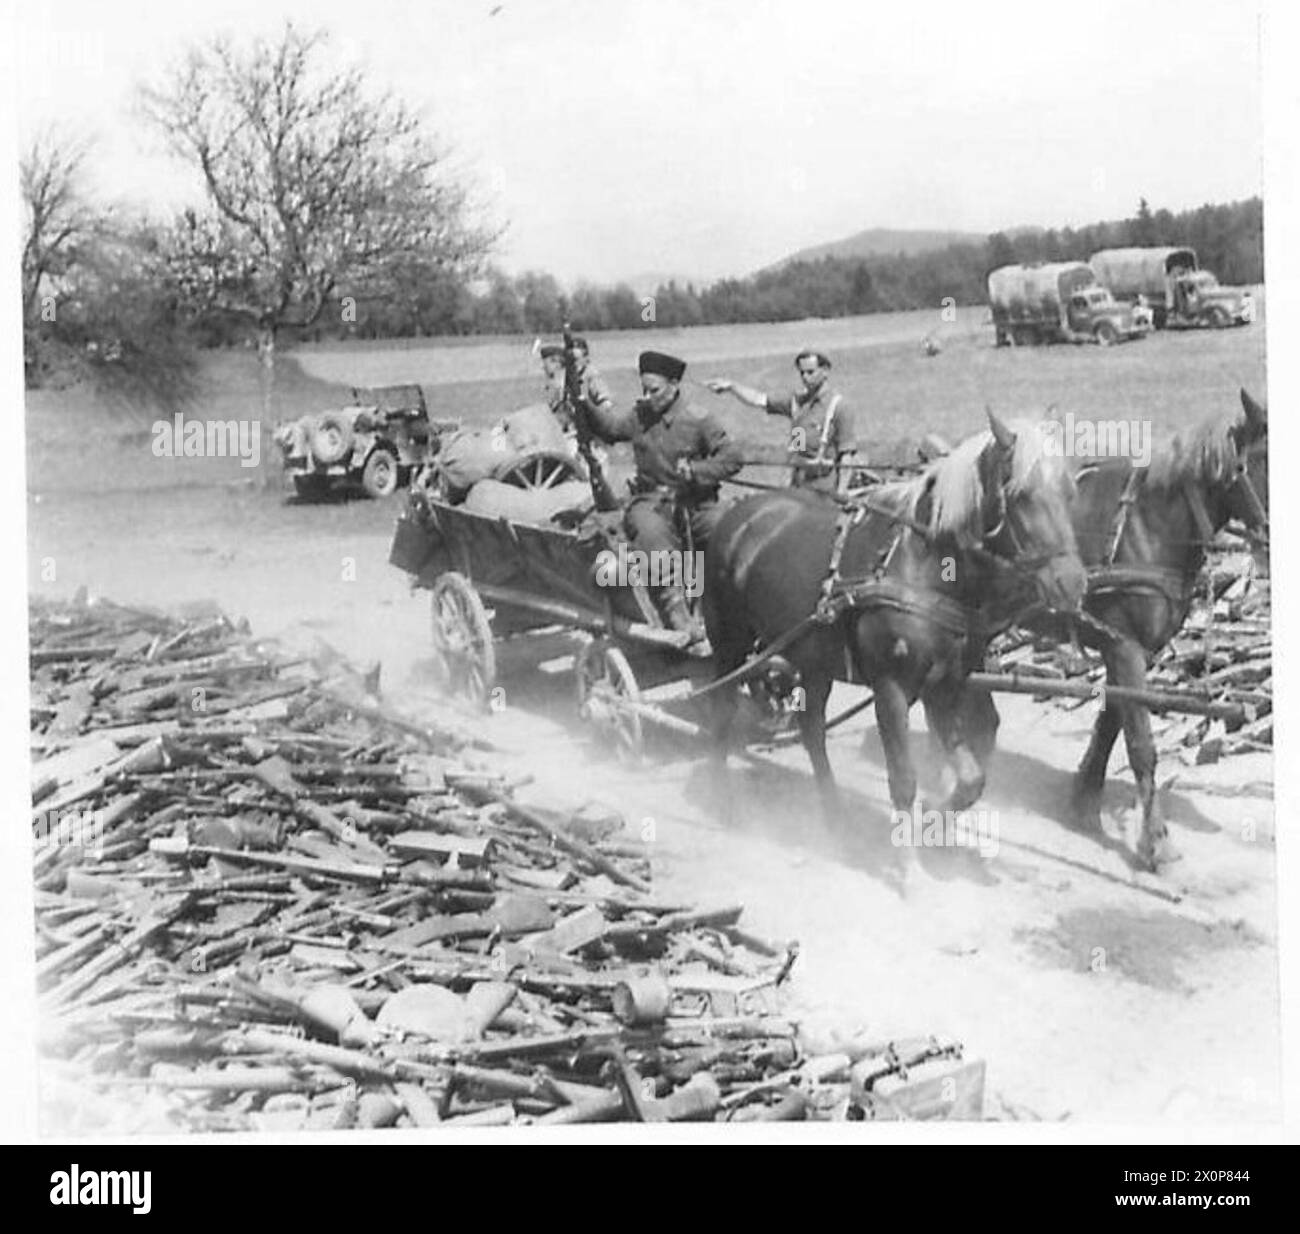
(1179,292)
(378,441)
(1059,302)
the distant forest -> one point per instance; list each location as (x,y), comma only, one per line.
(1228,240)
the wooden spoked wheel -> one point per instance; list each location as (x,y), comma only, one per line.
(462,637)
(540,470)
(607,695)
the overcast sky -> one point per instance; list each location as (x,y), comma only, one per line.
(710,138)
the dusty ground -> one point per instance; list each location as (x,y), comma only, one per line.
(1090,992)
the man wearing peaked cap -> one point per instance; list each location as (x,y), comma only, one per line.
(682,455)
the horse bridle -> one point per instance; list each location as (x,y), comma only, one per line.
(1020,560)
(1257,514)
(1256,519)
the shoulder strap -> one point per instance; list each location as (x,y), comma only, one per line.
(827,423)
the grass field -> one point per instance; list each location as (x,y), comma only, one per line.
(1172,379)
(1175,380)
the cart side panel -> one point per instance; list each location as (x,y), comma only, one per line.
(546,562)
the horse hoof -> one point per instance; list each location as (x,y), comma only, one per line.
(964,795)
(1158,853)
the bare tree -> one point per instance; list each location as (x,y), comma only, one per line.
(316,189)
(58,224)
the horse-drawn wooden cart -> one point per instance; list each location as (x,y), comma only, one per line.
(493,578)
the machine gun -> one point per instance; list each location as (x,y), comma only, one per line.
(600,490)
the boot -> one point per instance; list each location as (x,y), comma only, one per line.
(677,616)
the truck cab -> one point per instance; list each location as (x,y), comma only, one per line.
(1093,312)
(1197,298)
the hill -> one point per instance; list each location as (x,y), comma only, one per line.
(883,242)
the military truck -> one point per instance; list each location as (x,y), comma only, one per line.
(378,441)
(1180,294)
(1049,302)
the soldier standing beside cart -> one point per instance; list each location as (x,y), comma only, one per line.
(823,436)
(682,455)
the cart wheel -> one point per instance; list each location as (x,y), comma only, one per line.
(462,637)
(606,683)
(540,470)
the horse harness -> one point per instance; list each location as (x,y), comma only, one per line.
(840,596)
(1169,584)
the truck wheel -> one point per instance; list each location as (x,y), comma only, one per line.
(1158,318)
(1105,333)
(379,477)
(1217,318)
(1001,339)
(331,437)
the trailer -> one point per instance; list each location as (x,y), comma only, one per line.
(1180,294)
(1050,302)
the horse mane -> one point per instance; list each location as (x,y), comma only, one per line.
(1208,455)
(956,488)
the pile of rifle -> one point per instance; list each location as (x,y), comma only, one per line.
(1223,654)
(265,901)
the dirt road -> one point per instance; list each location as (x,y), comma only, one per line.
(1092,996)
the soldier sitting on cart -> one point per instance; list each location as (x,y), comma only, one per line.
(823,435)
(682,455)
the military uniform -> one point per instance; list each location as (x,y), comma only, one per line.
(659,443)
(594,391)
(822,428)
(662,492)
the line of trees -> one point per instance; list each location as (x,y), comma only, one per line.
(328,212)
(1228,239)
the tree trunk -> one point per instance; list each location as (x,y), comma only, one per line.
(270,463)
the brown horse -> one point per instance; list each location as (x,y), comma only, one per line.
(908,595)
(1143,535)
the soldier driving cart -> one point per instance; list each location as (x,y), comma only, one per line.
(682,455)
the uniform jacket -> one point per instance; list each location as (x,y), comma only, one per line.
(807,411)
(659,442)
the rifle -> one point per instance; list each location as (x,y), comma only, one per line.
(600,490)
